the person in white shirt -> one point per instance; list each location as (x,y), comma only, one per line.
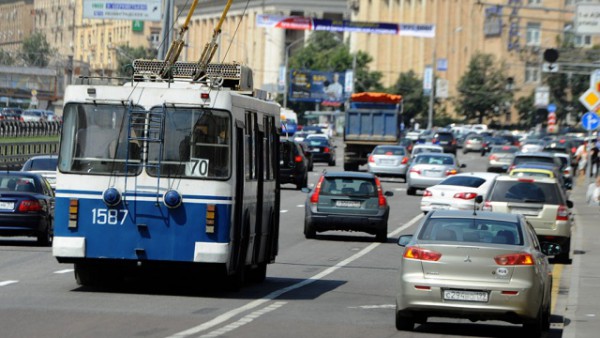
(593,193)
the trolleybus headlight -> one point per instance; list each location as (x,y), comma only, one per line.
(111,197)
(172,199)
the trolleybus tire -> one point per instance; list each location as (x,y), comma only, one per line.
(85,276)
(258,274)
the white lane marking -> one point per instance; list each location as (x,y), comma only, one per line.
(300,205)
(275,294)
(245,320)
(283,211)
(370,307)
(64,271)
(8,282)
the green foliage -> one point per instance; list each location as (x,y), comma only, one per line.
(6,59)
(415,104)
(126,55)
(482,89)
(36,50)
(526,110)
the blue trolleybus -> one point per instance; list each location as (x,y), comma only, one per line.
(156,173)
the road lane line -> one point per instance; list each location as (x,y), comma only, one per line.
(283,211)
(300,205)
(64,271)
(556,276)
(245,320)
(8,282)
(275,294)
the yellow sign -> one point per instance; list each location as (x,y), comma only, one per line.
(590,99)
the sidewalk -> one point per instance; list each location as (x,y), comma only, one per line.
(582,315)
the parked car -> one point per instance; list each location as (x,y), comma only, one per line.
(389,160)
(532,146)
(501,157)
(446,140)
(34,115)
(473,142)
(11,114)
(293,164)
(457,192)
(349,201)
(45,165)
(26,206)
(429,169)
(425,148)
(542,201)
(322,148)
(483,266)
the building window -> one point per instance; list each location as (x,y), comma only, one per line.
(534,34)
(532,74)
(534,2)
(583,40)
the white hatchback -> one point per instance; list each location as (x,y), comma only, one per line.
(458,192)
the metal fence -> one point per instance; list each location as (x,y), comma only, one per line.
(13,155)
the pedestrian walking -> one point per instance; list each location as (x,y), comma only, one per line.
(593,193)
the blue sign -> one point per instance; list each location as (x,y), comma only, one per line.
(551,108)
(442,65)
(590,121)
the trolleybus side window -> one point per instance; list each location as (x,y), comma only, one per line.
(268,142)
(197,144)
(251,140)
(95,140)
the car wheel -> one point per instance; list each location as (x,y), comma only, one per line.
(563,256)
(465,151)
(309,230)
(411,191)
(44,238)
(404,323)
(381,235)
(332,163)
(535,327)
(302,183)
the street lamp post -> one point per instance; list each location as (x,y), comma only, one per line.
(285,71)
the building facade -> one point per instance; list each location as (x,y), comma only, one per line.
(16,23)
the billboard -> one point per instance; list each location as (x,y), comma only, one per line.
(144,10)
(326,88)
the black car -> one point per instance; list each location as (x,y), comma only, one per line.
(293,164)
(26,206)
(307,154)
(446,140)
(322,148)
(350,201)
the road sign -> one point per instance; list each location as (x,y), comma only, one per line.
(586,19)
(542,96)
(441,88)
(147,10)
(551,118)
(595,80)
(551,108)
(548,67)
(590,99)
(590,121)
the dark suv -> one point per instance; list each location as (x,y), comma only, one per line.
(446,140)
(293,164)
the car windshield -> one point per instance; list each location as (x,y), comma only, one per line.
(505,150)
(464,181)
(389,151)
(316,141)
(533,159)
(526,191)
(419,150)
(471,230)
(434,159)
(529,173)
(49,164)
(348,186)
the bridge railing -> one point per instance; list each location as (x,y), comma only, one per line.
(14,154)
(9,128)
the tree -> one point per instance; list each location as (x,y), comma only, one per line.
(126,55)
(36,50)
(526,109)
(482,89)
(5,58)
(415,104)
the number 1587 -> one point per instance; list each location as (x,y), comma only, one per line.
(109,216)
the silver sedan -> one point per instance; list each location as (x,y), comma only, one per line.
(389,160)
(429,169)
(488,266)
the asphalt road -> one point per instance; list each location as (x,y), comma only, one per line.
(340,284)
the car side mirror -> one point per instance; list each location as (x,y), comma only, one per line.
(404,240)
(463,165)
(478,199)
(306,190)
(389,193)
(570,204)
(550,249)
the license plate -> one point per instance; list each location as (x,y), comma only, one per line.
(7,205)
(466,296)
(347,204)
(315,150)
(386,161)
(524,212)
(432,172)
(440,207)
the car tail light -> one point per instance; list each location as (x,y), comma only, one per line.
(381,198)
(326,150)
(416,171)
(404,160)
(451,172)
(371,159)
(519,258)
(413,252)
(314,198)
(468,142)
(487,206)
(453,142)
(493,157)
(465,195)
(573,150)
(298,159)
(511,168)
(562,214)
(434,141)
(427,193)
(510,293)
(30,206)
(567,171)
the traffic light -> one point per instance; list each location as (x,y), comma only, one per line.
(550,55)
